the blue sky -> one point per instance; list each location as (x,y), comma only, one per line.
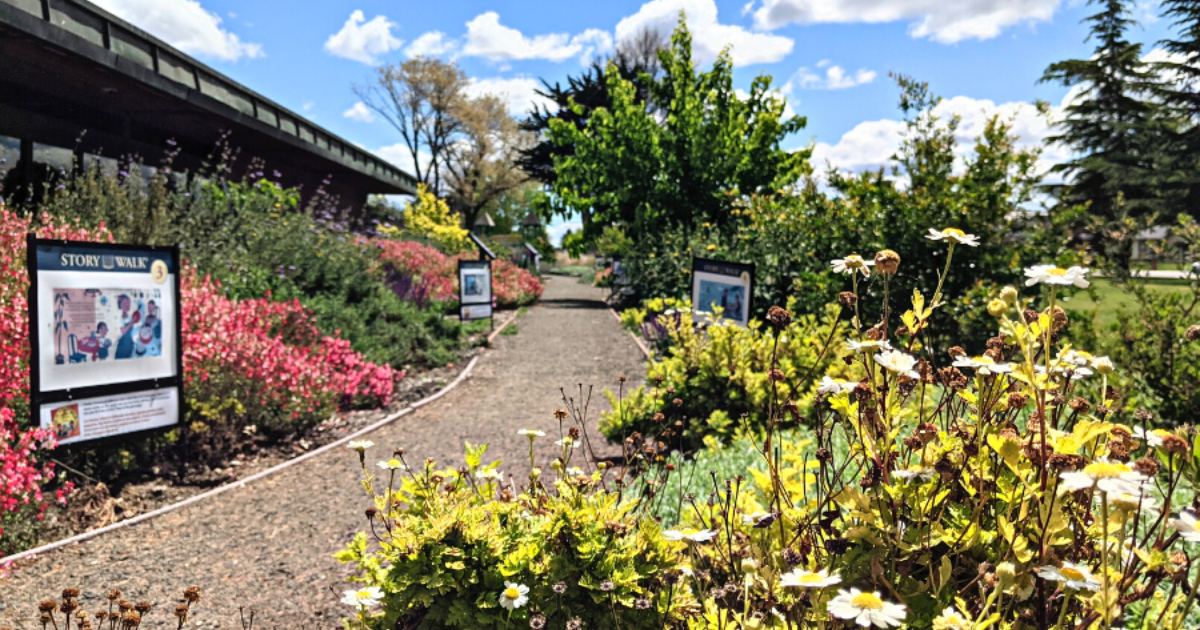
(830,58)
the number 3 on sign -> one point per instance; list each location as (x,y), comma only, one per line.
(158,271)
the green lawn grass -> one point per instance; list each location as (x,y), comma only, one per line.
(1105,299)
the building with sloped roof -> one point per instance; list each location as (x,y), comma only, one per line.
(79,86)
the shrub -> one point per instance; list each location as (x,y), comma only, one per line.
(512,286)
(452,555)
(1155,339)
(715,381)
(429,218)
(24,447)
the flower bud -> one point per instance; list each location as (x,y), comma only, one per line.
(1009,295)
(749,565)
(1193,332)
(1103,365)
(996,308)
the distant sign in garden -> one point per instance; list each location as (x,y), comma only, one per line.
(475,289)
(105,343)
(727,285)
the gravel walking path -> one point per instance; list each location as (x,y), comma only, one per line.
(268,547)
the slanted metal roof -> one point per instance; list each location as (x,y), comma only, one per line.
(70,60)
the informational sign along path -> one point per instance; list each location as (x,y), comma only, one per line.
(105,339)
(475,289)
(728,286)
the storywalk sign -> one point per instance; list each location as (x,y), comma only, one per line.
(104,336)
(475,289)
(725,285)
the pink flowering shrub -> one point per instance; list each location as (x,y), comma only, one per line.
(266,363)
(24,468)
(513,286)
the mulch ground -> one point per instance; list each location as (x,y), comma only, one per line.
(268,547)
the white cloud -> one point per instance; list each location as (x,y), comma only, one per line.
(488,38)
(360,112)
(431,44)
(363,41)
(594,42)
(709,36)
(835,78)
(518,92)
(308,106)
(945,21)
(871,144)
(556,231)
(400,157)
(186,25)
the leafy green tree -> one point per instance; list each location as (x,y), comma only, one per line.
(656,171)
(1177,89)
(1121,135)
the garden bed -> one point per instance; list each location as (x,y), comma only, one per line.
(95,504)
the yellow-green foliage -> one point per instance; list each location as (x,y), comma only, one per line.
(430,218)
(1009,491)
(445,543)
(719,374)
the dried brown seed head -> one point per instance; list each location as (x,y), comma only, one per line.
(560,413)
(1174,444)
(192,594)
(48,605)
(142,607)
(70,593)
(1193,332)
(779,317)
(887,262)
(847,299)
(114,595)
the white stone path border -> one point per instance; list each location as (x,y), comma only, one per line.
(241,483)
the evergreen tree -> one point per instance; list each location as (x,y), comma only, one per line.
(1179,91)
(1121,137)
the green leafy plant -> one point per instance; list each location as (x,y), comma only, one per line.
(713,383)
(465,549)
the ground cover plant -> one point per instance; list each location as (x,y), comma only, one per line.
(1015,488)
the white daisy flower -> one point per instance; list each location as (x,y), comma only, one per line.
(831,387)
(862,346)
(514,595)
(1080,358)
(1103,365)
(1109,476)
(690,535)
(1061,369)
(851,264)
(985,366)
(953,235)
(392,464)
(1073,576)
(531,433)
(359,445)
(919,473)
(575,471)
(363,598)
(866,609)
(898,362)
(800,578)
(1189,528)
(1153,437)
(951,619)
(753,519)
(567,442)
(489,474)
(1057,276)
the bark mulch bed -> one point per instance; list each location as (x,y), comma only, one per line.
(267,546)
